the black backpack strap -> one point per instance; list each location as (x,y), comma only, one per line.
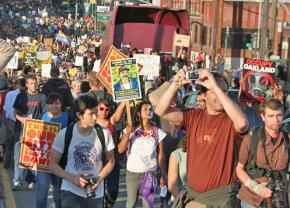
(101,137)
(67,140)
(252,155)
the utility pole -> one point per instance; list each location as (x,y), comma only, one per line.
(213,34)
(272,25)
(264,30)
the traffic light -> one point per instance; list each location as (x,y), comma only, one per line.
(270,44)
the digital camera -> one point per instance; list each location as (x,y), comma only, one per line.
(192,75)
(278,198)
(89,185)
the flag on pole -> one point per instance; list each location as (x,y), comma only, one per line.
(61,37)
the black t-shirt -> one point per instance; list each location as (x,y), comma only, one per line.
(32,106)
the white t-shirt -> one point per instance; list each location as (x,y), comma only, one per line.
(142,152)
(84,156)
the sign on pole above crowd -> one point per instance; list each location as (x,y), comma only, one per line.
(36,148)
(104,75)
(181,40)
(257,80)
(150,63)
(125,80)
(13,63)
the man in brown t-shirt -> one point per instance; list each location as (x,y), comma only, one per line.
(270,145)
(213,140)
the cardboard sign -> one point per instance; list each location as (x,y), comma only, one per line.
(104,74)
(150,63)
(29,59)
(126,83)
(45,70)
(181,40)
(38,139)
(79,61)
(13,63)
(72,71)
(103,9)
(258,78)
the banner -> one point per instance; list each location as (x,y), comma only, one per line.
(104,74)
(126,84)
(258,78)
(36,148)
(13,63)
(150,63)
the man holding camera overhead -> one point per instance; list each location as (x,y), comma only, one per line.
(263,161)
(213,136)
(89,157)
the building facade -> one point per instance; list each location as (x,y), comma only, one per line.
(236,35)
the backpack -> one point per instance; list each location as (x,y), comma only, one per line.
(67,140)
(251,166)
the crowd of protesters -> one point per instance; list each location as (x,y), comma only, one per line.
(194,152)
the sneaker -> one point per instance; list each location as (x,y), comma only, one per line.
(31,186)
(17,186)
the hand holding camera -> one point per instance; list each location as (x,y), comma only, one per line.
(91,185)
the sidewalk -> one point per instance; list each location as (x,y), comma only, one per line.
(6,195)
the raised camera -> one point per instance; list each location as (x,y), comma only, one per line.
(192,75)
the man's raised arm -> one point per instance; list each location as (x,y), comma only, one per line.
(163,108)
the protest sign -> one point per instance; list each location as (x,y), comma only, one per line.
(45,70)
(125,80)
(150,63)
(147,51)
(79,61)
(29,59)
(258,78)
(43,57)
(181,40)
(104,75)
(48,42)
(36,148)
(13,63)
(72,71)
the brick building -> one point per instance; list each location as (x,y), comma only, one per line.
(237,27)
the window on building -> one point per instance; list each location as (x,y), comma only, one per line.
(203,35)
(196,33)
(239,38)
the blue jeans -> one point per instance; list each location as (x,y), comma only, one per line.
(43,181)
(246,205)
(19,172)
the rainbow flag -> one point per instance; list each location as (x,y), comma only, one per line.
(61,37)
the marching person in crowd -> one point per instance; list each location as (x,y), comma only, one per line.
(177,169)
(211,178)
(76,88)
(10,120)
(58,85)
(29,104)
(144,145)
(263,161)
(107,120)
(54,114)
(83,156)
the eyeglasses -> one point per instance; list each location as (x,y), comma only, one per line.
(104,109)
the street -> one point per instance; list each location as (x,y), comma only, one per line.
(27,198)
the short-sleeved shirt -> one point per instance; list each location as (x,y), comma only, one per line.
(213,147)
(142,153)
(31,106)
(84,156)
(62,119)
(277,156)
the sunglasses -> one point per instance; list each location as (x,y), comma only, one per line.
(104,109)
